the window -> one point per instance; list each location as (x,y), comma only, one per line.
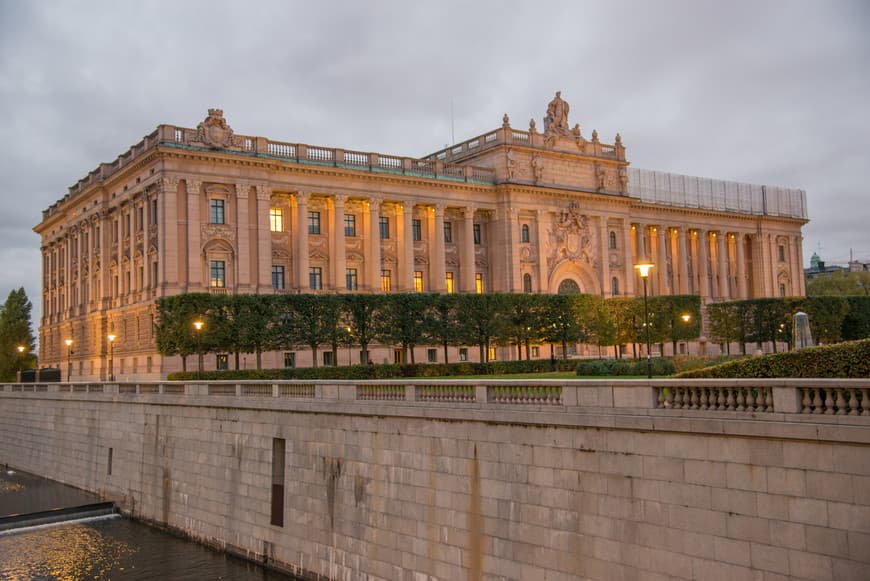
(350,225)
(276,220)
(222,361)
(216,211)
(127,226)
(781,250)
(328,358)
(475,230)
(279,454)
(314,222)
(448,282)
(278,276)
(154,212)
(289,359)
(350,279)
(315,278)
(154,274)
(478,283)
(491,354)
(524,233)
(614,286)
(418,281)
(140,218)
(527,283)
(218,274)
(115,231)
(386,283)
(416,230)
(448,232)
(432,355)
(463,354)
(536,351)
(781,288)
(384,224)
(612,240)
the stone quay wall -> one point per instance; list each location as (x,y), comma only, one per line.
(761,480)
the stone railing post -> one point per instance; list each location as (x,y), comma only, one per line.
(480,392)
(786,400)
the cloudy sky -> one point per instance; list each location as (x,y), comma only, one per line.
(765,92)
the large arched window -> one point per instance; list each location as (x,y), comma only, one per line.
(614,286)
(612,240)
(527,283)
(524,233)
(569,287)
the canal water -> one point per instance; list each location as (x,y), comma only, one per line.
(101,548)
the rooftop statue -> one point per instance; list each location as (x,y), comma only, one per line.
(556,121)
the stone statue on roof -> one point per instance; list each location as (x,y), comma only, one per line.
(556,121)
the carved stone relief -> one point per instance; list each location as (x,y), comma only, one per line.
(570,238)
(215,132)
(222,231)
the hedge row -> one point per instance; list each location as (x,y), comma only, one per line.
(849,359)
(606,367)
(387,371)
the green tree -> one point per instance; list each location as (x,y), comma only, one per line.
(481,320)
(16,331)
(361,313)
(401,322)
(442,323)
(565,325)
(842,283)
(522,315)
(307,320)
(826,315)
(627,316)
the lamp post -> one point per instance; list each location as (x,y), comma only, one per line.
(69,352)
(643,270)
(21,349)
(111,339)
(197,327)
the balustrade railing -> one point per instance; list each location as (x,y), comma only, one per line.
(852,401)
(700,397)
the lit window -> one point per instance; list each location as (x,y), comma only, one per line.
(463,354)
(216,211)
(386,282)
(418,281)
(475,230)
(491,354)
(614,286)
(478,283)
(315,278)
(314,222)
(612,240)
(350,279)
(384,224)
(416,230)
(448,282)
(276,219)
(448,232)
(223,361)
(278,276)
(524,233)
(218,274)
(527,283)
(536,351)
(350,225)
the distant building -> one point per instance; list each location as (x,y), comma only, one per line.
(206,210)
(819,268)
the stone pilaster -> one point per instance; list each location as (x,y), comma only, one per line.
(466,252)
(437,267)
(742,292)
(406,246)
(722,255)
(604,256)
(302,241)
(683,258)
(337,251)
(373,256)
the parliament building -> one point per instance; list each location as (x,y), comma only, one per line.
(545,209)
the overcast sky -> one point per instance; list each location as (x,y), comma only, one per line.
(773,93)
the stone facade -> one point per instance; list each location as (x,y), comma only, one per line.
(208,210)
(476,480)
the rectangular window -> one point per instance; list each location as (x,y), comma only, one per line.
(276,219)
(491,354)
(222,361)
(384,225)
(154,212)
(127,226)
(216,211)
(418,281)
(328,358)
(278,276)
(154,274)
(140,278)
(386,283)
(463,353)
(350,279)
(536,351)
(781,290)
(315,278)
(432,355)
(278,456)
(289,360)
(218,278)
(115,231)
(140,218)
(416,230)
(109,462)
(478,283)
(448,282)
(475,229)
(448,232)
(781,250)
(314,222)
(350,225)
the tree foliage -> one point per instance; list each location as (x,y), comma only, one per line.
(842,283)
(16,331)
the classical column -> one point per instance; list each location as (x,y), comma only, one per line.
(247,252)
(406,250)
(373,256)
(684,260)
(194,274)
(703,266)
(722,255)
(604,245)
(661,242)
(540,233)
(802,281)
(797,271)
(774,265)
(167,232)
(466,260)
(742,292)
(337,251)
(261,275)
(437,268)
(629,260)
(301,239)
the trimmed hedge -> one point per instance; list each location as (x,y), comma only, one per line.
(605,367)
(849,359)
(387,371)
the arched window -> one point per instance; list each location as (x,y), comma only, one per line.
(524,233)
(612,240)
(568,287)
(614,286)
(527,283)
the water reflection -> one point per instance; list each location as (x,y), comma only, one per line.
(21,493)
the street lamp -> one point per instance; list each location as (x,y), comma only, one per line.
(21,349)
(686,318)
(69,352)
(643,270)
(198,326)
(112,338)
